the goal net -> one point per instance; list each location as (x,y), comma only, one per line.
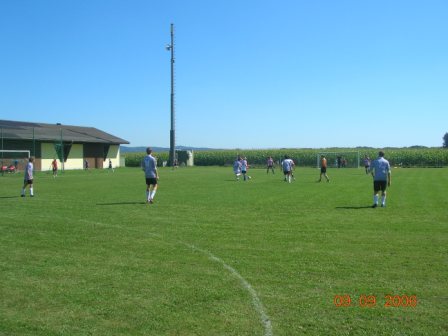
(13,160)
(339,159)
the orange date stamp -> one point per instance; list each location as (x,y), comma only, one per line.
(370,301)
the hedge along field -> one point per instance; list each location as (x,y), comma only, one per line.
(405,157)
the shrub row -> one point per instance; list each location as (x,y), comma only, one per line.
(405,157)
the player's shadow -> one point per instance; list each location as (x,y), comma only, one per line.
(9,196)
(355,207)
(121,203)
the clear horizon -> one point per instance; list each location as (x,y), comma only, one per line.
(289,74)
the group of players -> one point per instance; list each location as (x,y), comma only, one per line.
(240,167)
(379,168)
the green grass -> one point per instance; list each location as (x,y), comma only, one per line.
(87,256)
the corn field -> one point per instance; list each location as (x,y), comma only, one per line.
(402,157)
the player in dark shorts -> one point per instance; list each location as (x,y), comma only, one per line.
(54,166)
(323,169)
(149,166)
(366,164)
(28,179)
(381,173)
(151,181)
(270,165)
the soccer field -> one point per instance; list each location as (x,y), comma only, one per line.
(212,256)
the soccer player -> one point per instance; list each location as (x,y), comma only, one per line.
(54,166)
(110,166)
(367,163)
(287,165)
(270,165)
(237,166)
(381,173)
(323,168)
(149,166)
(244,168)
(28,180)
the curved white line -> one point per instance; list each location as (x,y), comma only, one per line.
(266,321)
(256,302)
(258,305)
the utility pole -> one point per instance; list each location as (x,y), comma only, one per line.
(170,47)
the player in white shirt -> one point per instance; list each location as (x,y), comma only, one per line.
(244,168)
(287,165)
(237,166)
(28,179)
(149,166)
(380,170)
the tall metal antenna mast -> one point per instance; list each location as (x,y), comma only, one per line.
(172,157)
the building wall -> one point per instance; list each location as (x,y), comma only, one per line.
(32,146)
(74,159)
(45,152)
(48,153)
(114,155)
(94,154)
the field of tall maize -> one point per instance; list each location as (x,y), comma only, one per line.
(404,157)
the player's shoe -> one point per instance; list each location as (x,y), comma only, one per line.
(22,195)
(383,205)
(375,205)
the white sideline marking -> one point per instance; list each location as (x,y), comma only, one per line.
(255,299)
(256,302)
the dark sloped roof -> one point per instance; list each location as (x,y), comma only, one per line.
(48,132)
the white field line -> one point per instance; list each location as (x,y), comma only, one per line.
(256,302)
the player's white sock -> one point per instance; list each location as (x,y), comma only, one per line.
(23,191)
(147,195)
(383,200)
(31,192)
(375,199)
(153,193)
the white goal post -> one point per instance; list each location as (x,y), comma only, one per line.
(339,159)
(12,157)
(2,151)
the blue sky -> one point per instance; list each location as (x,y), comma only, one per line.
(249,74)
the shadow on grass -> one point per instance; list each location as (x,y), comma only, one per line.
(9,196)
(355,207)
(121,203)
